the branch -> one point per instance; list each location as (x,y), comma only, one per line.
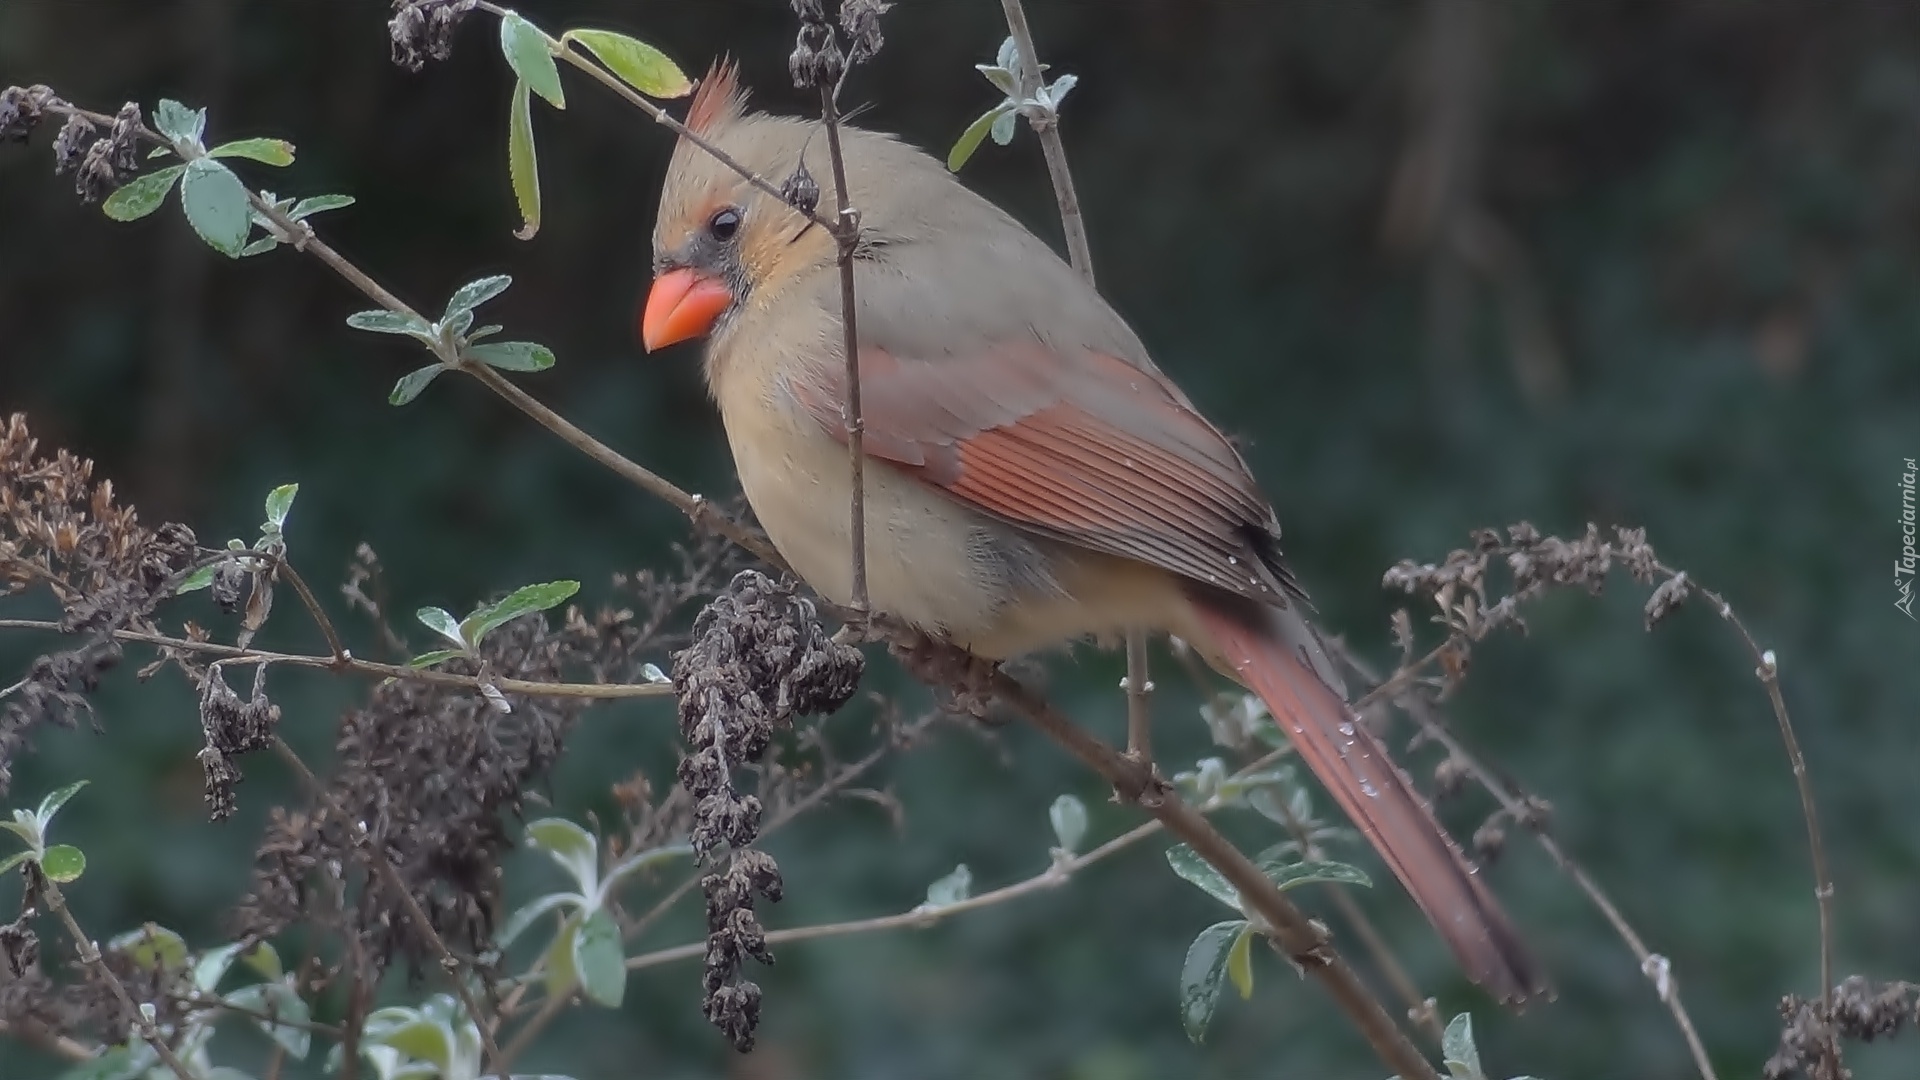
(371,668)
(1055,875)
(383,866)
(90,956)
(846,233)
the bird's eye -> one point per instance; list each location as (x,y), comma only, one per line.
(724,224)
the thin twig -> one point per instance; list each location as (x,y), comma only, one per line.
(390,875)
(1055,875)
(90,956)
(1073,226)
(1766,668)
(846,233)
(1657,969)
(233,654)
(340,654)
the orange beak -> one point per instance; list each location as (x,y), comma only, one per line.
(683,304)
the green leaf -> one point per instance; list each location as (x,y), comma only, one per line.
(1292,875)
(474,293)
(1196,870)
(63,863)
(142,195)
(264,959)
(264,151)
(308,207)
(437,656)
(1203,974)
(1240,962)
(120,1063)
(969,140)
(523,164)
(260,246)
(527,54)
(279,501)
(638,64)
(529,913)
(199,579)
(54,800)
(573,847)
(1458,1051)
(562,974)
(154,948)
(413,382)
(524,600)
(24,826)
(7,864)
(179,123)
(216,204)
(1069,817)
(949,890)
(381,321)
(440,621)
(420,1038)
(513,355)
(598,958)
(277,999)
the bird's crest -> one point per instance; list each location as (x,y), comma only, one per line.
(718,100)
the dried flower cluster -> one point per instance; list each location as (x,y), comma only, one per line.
(759,657)
(61,530)
(232,726)
(1458,585)
(818,61)
(82,1005)
(21,109)
(422,30)
(1862,1010)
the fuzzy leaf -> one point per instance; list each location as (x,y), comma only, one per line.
(437,656)
(142,195)
(264,959)
(382,321)
(413,382)
(637,862)
(525,48)
(599,960)
(513,355)
(524,600)
(573,847)
(179,123)
(1293,875)
(638,64)
(1069,817)
(279,502)
(1203,974)
(949,890)
(212,967)
(529,913)
(277,999)
(1458,1051)
(216,204)
(1240,962)
(260,246)
(265,151)
(440,621)
(1196,870)
(523,163)
(51,803)
(474,293)
(1004,126)
(317,204)
(7,864)
(199,579)
(562,974)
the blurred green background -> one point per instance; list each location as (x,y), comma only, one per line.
(1440,265)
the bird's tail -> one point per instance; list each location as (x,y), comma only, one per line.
(1327,734)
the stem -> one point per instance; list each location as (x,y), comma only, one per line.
(370,668)
(341,656)
(90,956)
(846,233)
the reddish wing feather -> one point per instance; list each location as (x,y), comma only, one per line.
(1088,449)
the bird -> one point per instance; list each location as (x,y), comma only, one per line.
(1031,478)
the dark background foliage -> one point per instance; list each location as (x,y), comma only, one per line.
(1645,263)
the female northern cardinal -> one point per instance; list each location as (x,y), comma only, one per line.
(1032,478)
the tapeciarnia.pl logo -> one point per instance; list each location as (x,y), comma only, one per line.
(1903,567)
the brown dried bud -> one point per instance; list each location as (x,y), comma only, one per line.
(70,146)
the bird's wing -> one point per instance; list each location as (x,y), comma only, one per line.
(1078,446)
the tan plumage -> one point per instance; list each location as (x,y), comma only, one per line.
(1032,477)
